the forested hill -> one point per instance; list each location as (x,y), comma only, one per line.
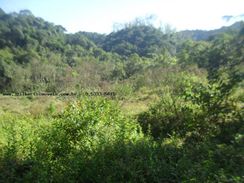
(141,39)
(205,35)
(24,30)
(38,55)
(146,40)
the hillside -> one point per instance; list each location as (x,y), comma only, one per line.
(201,35)
(143,40)
(37,55)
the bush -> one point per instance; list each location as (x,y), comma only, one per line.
(18,138)
(92,141)
(84,128)
(172,114)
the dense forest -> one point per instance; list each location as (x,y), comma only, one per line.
(190,82)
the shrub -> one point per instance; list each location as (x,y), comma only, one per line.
(18,137)
(84,128)
(172,114)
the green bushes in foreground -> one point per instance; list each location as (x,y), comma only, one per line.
(92,141)
(210,127)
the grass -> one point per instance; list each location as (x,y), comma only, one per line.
(36,105)
(41,105)
(133,107)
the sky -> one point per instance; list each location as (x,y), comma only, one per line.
(101,15)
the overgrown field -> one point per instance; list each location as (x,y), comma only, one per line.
(93,139)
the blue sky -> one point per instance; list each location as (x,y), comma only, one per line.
(100,15)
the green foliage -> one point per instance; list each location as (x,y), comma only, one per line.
(38,56)
(77,136)
(170,115)
(202,35)
(140,39)
(123,90)
(45,58)
(92,141)
(18,139)
(201,111)
(52,108)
